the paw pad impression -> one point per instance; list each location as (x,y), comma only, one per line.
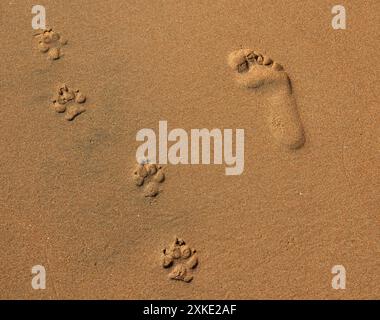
(50,42)
(69,101)
(149,175)
(181,259)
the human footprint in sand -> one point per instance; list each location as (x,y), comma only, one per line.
(256,71)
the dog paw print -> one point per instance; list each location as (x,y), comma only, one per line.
(50,42)
(149,176)
(68,101)
(181,259)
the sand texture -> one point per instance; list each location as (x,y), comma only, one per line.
(74,199)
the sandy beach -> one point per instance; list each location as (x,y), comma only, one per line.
(307,199)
